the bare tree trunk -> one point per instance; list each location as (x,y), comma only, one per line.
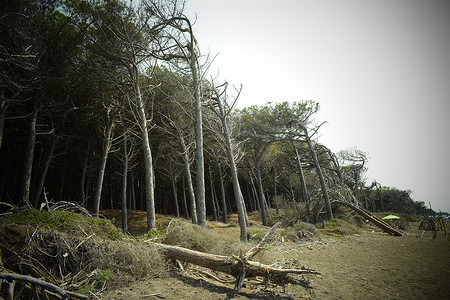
(211,186)
(149,176)
(40,184)
(291,190)
(222,193)
(319,173)
(101,173)
(124,186)
(199,141)
(255,193)
(83,177)
(190,187)
(250,198)
(275,200)
(261,197)
(186,210)
(28,164)
(302,179)
(174,190)
(236,187)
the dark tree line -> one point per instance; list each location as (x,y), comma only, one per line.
(107,104)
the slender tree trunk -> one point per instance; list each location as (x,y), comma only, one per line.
(190,186)
(132,191)
(211,187)
(186,211)
(302,179)
(83,176)
(28,164)
(124,186)
(236,187)
(291,190)
(149,175)
(101,173)
(40,184)
(250,198)
(174,190)
(255,193)
(222,193)
(199,141)
(319,173)
(275,199)
(262,199)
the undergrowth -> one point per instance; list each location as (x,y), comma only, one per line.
(65,247)
(64,220)
(188,235)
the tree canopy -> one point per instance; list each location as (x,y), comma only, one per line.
(106,103)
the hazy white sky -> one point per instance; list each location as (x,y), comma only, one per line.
(379,69)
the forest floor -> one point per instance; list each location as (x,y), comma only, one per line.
(361,264)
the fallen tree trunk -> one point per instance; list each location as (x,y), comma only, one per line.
(373,219)
(239,267)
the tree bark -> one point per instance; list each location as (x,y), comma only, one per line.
(28,162)
(101,173)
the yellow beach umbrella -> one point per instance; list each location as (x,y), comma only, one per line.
(391,217)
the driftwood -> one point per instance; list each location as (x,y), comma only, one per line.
(372,218)
(29,284)
(239,266)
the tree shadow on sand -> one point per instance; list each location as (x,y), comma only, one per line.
(229,293)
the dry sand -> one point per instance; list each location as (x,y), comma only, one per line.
(367,265)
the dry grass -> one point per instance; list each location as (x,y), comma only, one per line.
(80,257)
(187,235)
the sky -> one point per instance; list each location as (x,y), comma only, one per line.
(379,69)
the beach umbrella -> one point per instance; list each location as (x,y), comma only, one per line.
(391,217)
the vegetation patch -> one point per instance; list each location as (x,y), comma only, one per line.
(185,234)
(77,252)
(67,221)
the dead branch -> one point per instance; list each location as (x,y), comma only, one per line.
(45,286)
(239,266)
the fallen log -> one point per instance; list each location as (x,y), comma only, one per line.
(373,219)
(239,266)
